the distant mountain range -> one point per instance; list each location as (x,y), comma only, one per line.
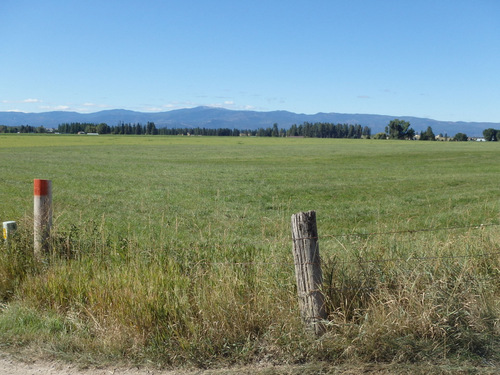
(210,117)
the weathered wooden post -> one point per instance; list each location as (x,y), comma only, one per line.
(42,191)
(308,270)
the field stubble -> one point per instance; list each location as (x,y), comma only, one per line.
(177,250)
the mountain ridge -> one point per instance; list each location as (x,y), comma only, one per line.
(214,117)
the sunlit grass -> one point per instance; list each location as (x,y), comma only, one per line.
(177,249)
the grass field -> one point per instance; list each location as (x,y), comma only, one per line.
(177,250)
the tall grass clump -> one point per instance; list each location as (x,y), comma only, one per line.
(16,260)
(417,298)
(174,305)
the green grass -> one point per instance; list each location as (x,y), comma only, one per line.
(178,249)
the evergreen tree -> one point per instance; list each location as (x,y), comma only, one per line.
(275,131)
(428,135)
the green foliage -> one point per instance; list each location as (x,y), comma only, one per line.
(491,134)
(399,129)
(328,130)
(461,137)
(310,130)
(428,135)
(21,129)
(380,136)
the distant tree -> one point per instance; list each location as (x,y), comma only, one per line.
(8,129)
(300,130)
(26,129)
(460,137)
(90,128)
(275,132)
(350,132)
(491,134)
(308,131)
(224,132)
(292,132)
(428,135)
(103,128)
(367,132)
(151,128)
(380,136)
(321,130)
(261,132)
(399,129)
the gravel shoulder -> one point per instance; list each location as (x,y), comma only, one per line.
(19,364)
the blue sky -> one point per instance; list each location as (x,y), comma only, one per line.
(428,58)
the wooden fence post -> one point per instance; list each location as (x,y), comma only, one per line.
(308,270)
(42,192)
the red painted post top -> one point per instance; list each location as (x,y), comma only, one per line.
(41,187)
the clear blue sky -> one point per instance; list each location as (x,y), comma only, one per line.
(427,58)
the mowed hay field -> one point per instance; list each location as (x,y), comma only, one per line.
(177,250)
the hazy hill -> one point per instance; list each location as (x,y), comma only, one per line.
(210,117)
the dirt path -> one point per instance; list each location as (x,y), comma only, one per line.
(12,364)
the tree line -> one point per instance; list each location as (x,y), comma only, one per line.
(396,129)
(316,130)
(400,129)
(103,128)
(328,130)
(22,129)
(307,129)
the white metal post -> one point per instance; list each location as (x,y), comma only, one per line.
(42,215)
